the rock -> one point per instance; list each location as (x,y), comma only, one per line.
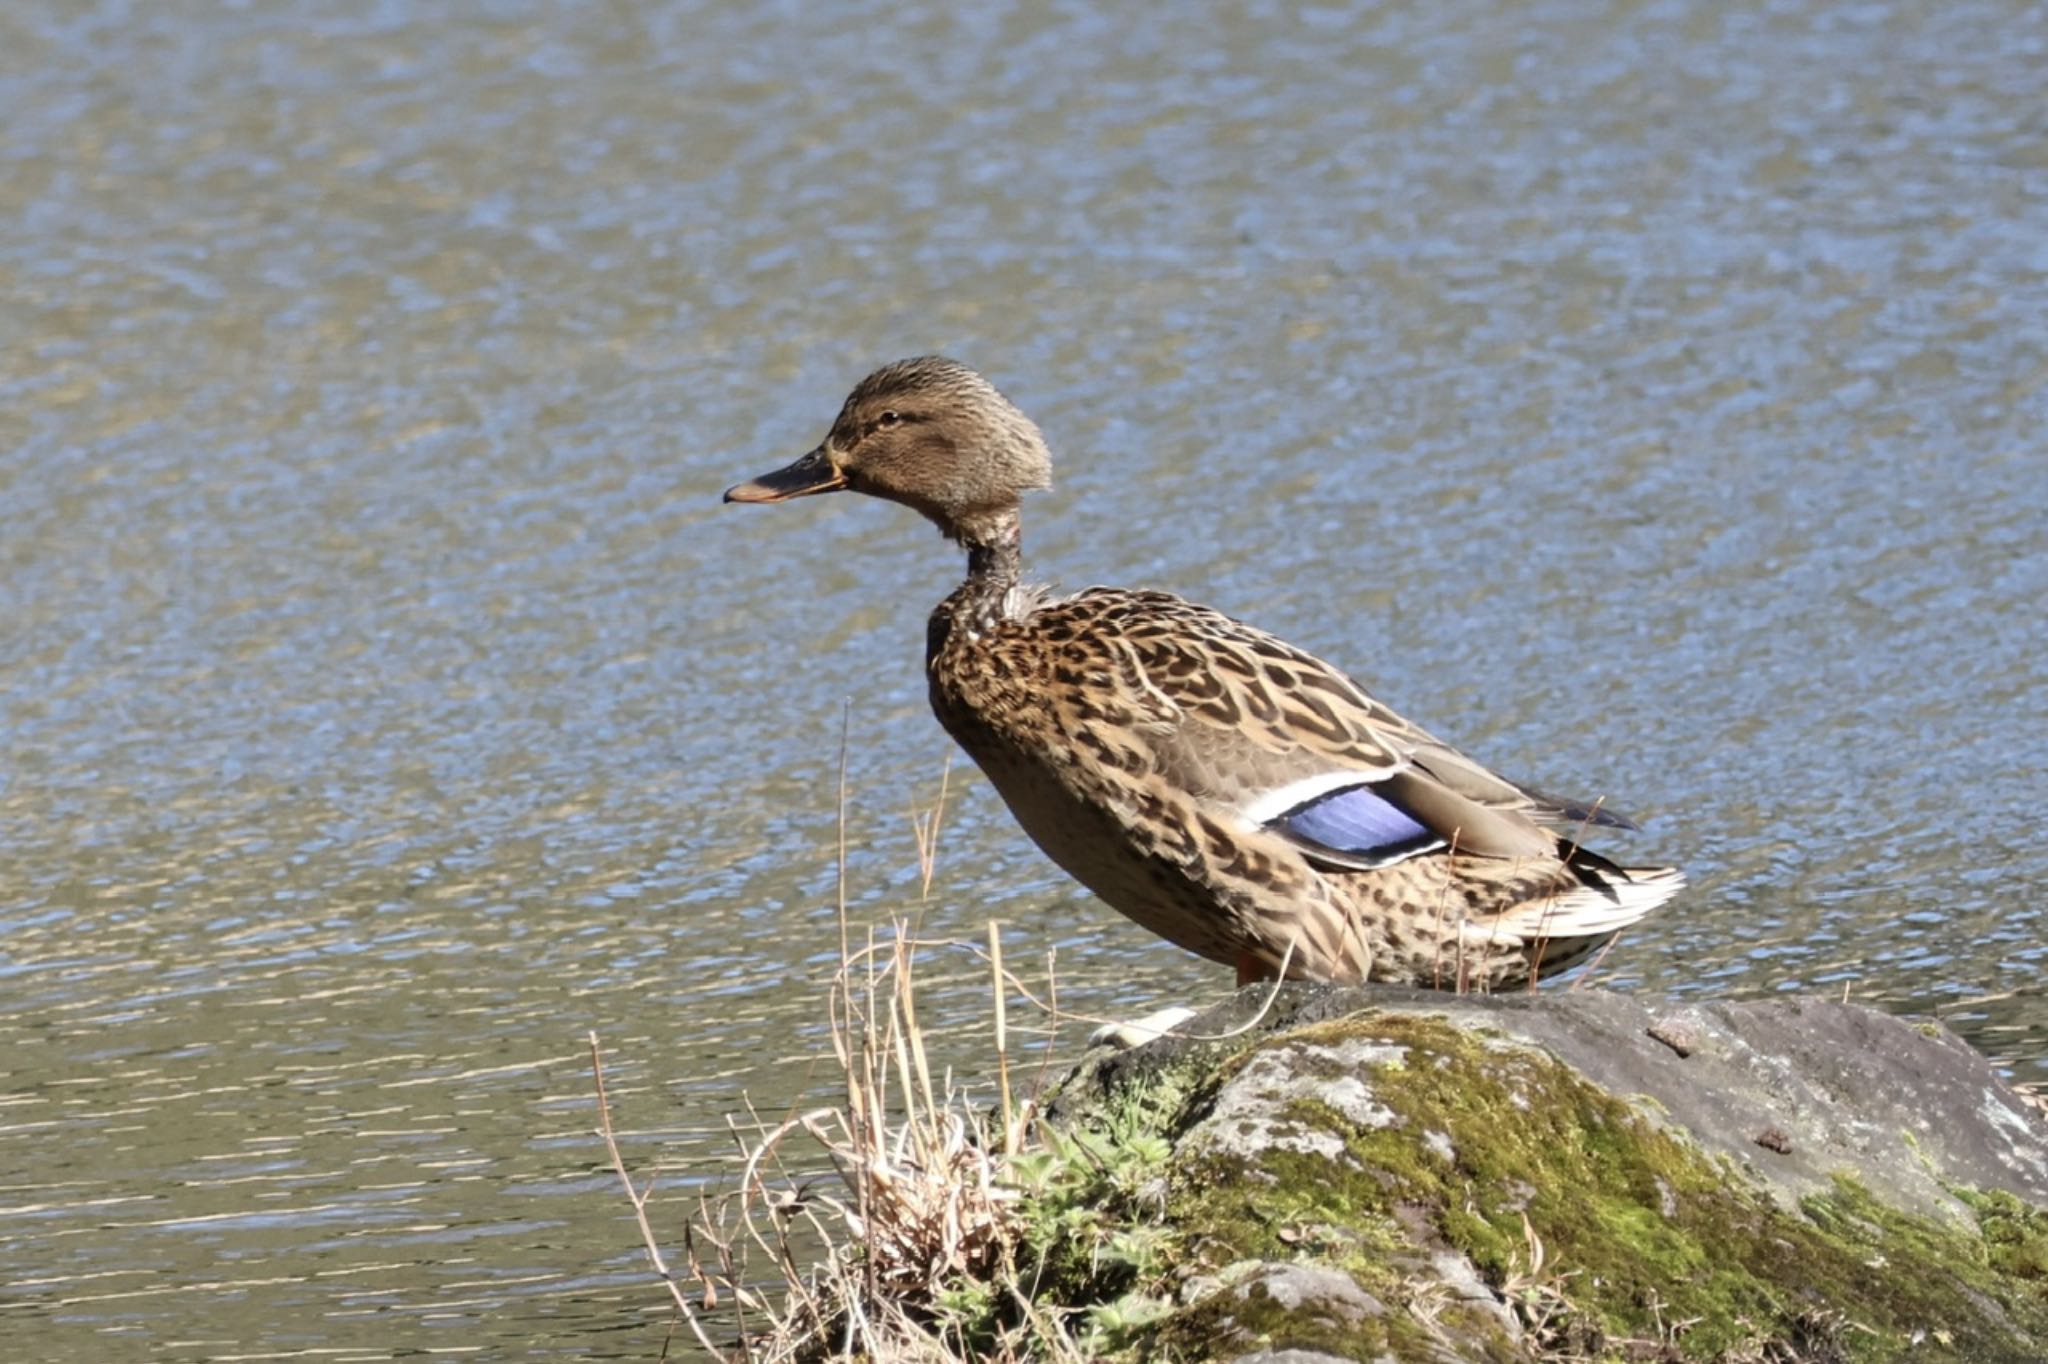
(1907,1108)
(1331,1293)
(1368,1174)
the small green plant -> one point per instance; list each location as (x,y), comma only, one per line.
(1075,1242)
(1112,1326)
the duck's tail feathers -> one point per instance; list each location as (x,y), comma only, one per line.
(1566,928)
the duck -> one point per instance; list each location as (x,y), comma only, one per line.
(1225,790)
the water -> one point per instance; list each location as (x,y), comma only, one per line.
(1645,396)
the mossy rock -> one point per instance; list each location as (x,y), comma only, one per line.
(1417,1183)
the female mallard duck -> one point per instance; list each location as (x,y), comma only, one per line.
(1222,788)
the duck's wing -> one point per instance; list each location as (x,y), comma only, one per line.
(1276,737)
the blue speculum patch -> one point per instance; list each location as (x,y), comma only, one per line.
(1360,822)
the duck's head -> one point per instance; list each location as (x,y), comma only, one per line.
(929,433)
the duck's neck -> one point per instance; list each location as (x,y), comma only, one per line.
(994,559)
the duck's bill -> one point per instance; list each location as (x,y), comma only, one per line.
(811,474)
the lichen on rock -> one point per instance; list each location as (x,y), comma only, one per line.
(1452,1164)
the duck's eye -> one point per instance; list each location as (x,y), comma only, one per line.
(888,419)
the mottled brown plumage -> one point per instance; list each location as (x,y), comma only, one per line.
(1224,789)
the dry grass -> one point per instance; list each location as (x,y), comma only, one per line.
(917,1214)
(918,1207)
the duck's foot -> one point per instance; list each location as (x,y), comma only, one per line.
(1138,1031)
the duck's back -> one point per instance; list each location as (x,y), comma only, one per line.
(1234,794)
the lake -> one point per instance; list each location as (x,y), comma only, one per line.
(1647,397)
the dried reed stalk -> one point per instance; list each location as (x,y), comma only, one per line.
(918,1200)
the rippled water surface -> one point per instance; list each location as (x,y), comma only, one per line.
(1647,396)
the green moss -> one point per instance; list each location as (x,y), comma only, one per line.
(1612,1237)
(2015,1235)
(1635,1227)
